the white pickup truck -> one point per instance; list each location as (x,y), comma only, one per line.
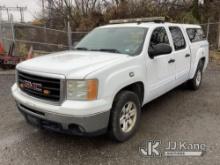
(102,84)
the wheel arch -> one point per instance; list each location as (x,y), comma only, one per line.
(204,61)
(136,87)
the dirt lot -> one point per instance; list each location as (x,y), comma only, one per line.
(180,115)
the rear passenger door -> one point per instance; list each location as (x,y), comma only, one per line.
(182,54)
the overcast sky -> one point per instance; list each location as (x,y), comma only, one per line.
(33,8)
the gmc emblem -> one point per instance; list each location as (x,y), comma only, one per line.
(34,86)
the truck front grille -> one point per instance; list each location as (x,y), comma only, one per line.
(39,87)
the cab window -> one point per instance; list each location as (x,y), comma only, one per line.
(159,43)
(159,36)
(178,38)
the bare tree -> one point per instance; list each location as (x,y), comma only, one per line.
(86,14)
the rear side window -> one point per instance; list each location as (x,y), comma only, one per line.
(195,34)
(178,38)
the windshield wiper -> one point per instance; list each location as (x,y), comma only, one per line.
(81,48)
(107,50)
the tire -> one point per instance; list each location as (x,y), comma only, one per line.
(196,82)
(125,116)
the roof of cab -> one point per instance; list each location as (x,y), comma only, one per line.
(149,25)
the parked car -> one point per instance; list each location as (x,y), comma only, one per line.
(102,84)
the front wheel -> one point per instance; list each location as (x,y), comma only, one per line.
(125,116)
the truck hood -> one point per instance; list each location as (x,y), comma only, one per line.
(74,64)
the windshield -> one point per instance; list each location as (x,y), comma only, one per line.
(124,40)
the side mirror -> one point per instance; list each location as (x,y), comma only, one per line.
(159,49)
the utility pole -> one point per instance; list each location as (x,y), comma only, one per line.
(18,9)
(43,8)
(22,13)
(8,14)
(0,14)
(50,7)
(69,35)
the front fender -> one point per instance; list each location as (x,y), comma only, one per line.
(114,78)
(123,78)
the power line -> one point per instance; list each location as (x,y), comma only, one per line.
(17,8)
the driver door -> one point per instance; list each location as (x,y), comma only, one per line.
(160,69)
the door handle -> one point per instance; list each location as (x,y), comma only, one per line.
(187,55)
(171,61)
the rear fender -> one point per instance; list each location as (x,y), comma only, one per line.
(201,53)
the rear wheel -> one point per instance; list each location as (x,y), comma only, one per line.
(196,82)
(125,116)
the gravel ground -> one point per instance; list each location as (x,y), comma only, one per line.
(180,115)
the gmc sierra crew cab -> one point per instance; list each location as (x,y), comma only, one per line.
(102,84)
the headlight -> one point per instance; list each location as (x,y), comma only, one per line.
(82,89)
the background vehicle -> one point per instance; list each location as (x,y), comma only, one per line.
(8,60)
(115,70)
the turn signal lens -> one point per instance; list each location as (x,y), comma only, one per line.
(92,89)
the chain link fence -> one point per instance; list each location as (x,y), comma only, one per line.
(45,40)
(41,40)
(212,32)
